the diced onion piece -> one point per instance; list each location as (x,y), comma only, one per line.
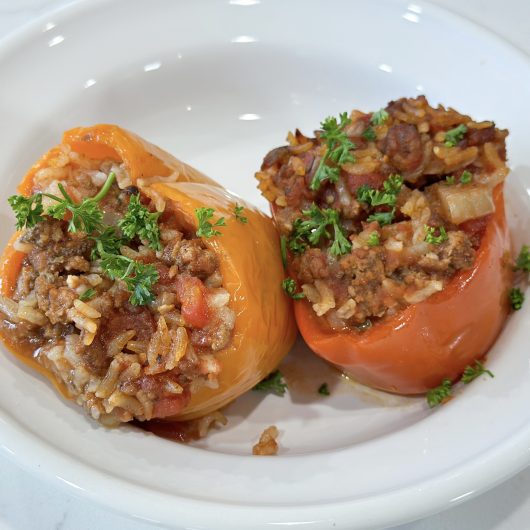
(462,203)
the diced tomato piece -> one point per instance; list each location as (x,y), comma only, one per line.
(192,294)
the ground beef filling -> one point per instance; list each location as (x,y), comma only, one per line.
(120,361)
(446,185)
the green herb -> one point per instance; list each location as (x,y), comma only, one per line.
(206,228)
(516,298)
(369,134)
(86,216)
(385,197)
(523,260)
(433,239)
(323,389)
(87,295)
(379,117)
(28,210)
(108,242)
(272,383)
(138,277)
(450,180)
(338,150)
(373,240)
(383,218)
(289,286)
(435,396)
(466,177)
(283,250)
(453,136)
(315,228)
(238,210)
(139,221)
(472,372)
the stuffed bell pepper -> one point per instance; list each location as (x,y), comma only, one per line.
(395,242)
(140,287)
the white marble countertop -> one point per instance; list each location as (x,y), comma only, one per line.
(27,503)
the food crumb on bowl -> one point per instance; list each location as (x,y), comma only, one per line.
(267,444)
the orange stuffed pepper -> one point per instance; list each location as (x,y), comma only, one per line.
(140,287)
(395,241)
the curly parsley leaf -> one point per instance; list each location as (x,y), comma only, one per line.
(432,238)
(272,383)
(312,230)
(373,240)
(238,211)
(516,298)
(369,134)
(138,277)
(437,395)
(453,136)
(338,150)
(87,295)
(379,117)
(289,286)
(383,218)
(28,210)
(466,177)
(206,228)
(139,221)
(523,259)
(323,389)
(108,242)
(450,180)
(472,372)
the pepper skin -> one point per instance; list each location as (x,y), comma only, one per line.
(249,257)
(414,350)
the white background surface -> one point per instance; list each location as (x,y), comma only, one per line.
(27,503)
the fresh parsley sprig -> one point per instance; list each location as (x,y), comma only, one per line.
(437,395)
(289,286)
(373,240)
(238,212)
(28,210)
(138,277)
(315,227)
(385,197)
(523,259)
(453,136)
(272,383)
(516,297)
(206,228)
(338,150)
(139,221)
(472,372)
(432,238)
(379,117)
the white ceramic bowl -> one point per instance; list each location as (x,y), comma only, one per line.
(218,83)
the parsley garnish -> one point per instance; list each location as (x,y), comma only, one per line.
(516,298)
(338,150)
(435,396)
(138,277)
(385,197)
(314,228)
(272,383)
(86,216)
(323,389)
(283,250)
(450,180)
(523,260)
(289,286)
(369,134)
(238,210)
(108,242)
(433,239)
(453,136)
(28,210)
(379,117)
(139,221)
(206,228)
(466,177)
(87,295)
(472,372)
(373,240)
